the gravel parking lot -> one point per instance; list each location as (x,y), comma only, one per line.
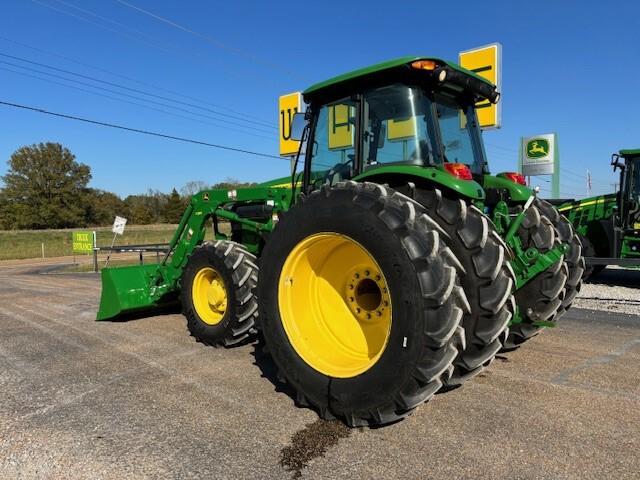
(140,399)
(613,290)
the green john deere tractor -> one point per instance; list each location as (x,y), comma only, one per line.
(609,225)
(392,265)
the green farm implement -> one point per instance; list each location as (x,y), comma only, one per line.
(609,225)
(391,265)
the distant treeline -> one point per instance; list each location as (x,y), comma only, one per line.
(46,188)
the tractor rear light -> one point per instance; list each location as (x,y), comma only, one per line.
(424,65)
(515,177)
(459,170)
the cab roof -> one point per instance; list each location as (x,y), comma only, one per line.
(630,152)
(357,78)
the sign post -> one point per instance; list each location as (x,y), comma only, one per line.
(486,61)
(539,156)
(118,229)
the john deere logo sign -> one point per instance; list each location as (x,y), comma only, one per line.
(538,154)
(537,148)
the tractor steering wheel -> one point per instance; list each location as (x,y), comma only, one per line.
(343,170)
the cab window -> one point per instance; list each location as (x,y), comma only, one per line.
(398,123)
(333,145)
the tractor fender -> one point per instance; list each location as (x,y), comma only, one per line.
(423,177)
(515,192)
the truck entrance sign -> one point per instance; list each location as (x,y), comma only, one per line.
(82,242)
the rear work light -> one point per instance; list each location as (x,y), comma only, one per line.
(515,177)
(424,65)
(459,170)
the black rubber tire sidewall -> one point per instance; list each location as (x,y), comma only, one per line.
(379,384)
(218,334)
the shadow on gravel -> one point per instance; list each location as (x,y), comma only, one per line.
(313,440)
(269,370)
(164,310)
(617,278)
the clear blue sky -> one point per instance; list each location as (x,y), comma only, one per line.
(568,67)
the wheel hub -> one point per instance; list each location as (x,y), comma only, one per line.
(366,294)
(209,295)
(216,295)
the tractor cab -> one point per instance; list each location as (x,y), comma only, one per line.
(628,215)
(388,119)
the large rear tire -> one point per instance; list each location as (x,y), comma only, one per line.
(541,298)
(588,250)
(488,280)
(573,257)
(218,293)
(371,357)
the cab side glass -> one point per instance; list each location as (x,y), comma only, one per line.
(297,126)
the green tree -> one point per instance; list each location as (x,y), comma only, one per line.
(174,208)
(102,207)
(231,183)
(45,186)
(193,187)
(155,201)
(137,210)
(7,217)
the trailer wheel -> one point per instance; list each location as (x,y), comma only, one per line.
(590,271)
(573,257)
(541,298)
(218,293)
(488,280)
(360,303)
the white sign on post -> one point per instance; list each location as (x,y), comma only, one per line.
(118,225)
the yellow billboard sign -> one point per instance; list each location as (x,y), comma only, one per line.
(341,128)
(401,129)
(486,61)
(287,106)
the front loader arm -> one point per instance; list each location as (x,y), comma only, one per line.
(142,287)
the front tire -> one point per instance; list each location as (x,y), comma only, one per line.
(218,293)
(573,257)
(541,298)
(588,250)
(338,360)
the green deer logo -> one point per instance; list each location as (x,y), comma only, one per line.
(537,148)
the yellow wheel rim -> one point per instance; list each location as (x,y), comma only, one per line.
(209,295)
(335,305)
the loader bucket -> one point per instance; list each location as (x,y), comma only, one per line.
(126,290)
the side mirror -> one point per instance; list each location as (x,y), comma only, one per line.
(615,161)
(297,126)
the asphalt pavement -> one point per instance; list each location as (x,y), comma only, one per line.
(82,399)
